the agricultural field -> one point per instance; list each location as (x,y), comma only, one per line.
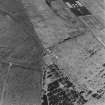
(49,42)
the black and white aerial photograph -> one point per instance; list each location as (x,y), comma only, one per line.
(52,52)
